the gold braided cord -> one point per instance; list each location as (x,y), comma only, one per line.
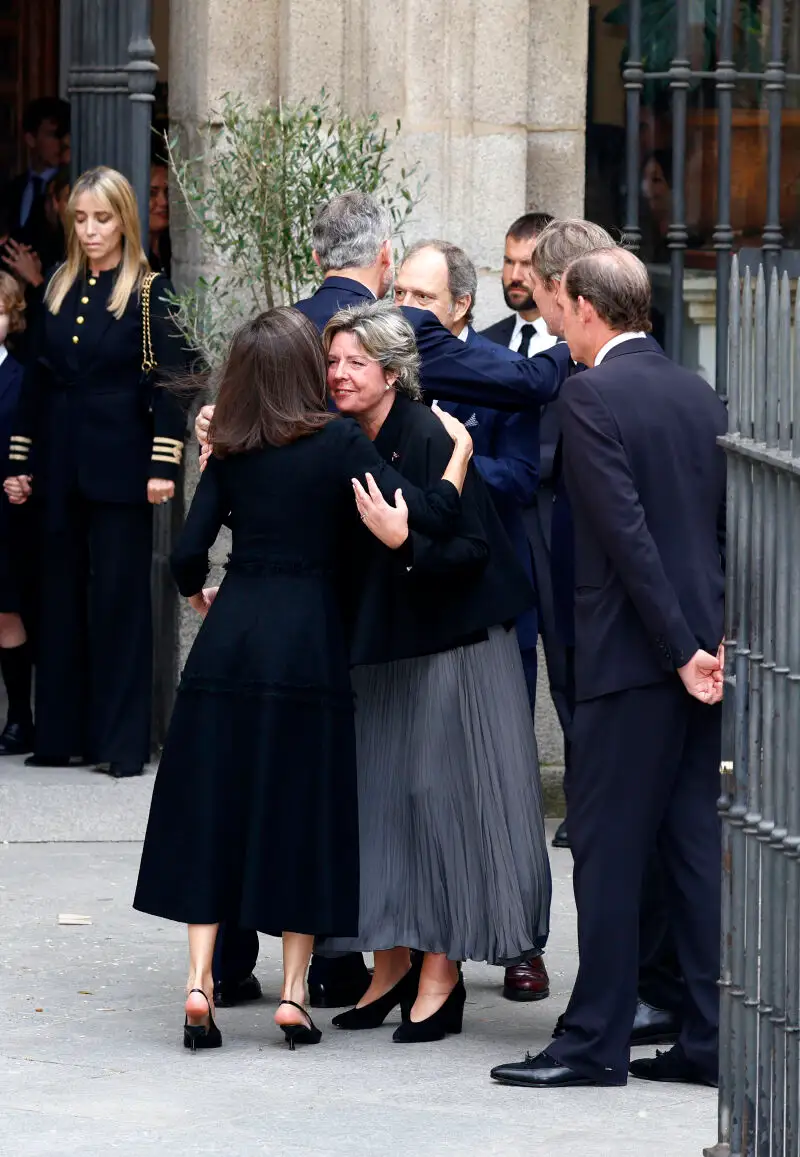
(149,362)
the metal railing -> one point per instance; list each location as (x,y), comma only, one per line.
(759,1091)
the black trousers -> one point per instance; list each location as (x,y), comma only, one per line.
(644,775)
(538,519)
(94,655)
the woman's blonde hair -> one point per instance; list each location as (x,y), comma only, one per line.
(386,337)
(115,190)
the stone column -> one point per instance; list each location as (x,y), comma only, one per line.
(558,59)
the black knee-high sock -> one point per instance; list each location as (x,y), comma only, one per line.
(15,666)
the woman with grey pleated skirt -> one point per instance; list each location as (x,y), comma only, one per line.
(453,857)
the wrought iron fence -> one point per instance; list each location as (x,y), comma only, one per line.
(726,81)
(759,1092)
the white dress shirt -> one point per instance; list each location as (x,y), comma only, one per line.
(615,341)
(3,354)
(541,340)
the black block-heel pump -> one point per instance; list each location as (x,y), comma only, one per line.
(201,1036)
(300,1034)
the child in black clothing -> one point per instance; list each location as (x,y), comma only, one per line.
(15,657)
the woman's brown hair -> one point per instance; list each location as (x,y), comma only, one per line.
(12,299)
(272,387)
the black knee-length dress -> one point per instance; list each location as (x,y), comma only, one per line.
(254,815)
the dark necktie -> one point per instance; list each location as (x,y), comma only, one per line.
(526,333)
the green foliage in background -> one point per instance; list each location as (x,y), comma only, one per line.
(252,192)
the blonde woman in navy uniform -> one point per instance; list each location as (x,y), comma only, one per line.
(107,443)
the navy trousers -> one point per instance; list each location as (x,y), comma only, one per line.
(644,775)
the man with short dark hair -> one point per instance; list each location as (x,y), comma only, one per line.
(646,483)
(45,123)
(525,330)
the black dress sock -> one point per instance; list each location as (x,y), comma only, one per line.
(15,666)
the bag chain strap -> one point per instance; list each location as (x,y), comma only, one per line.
(149,362)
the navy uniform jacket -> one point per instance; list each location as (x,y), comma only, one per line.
(506,455)
(97,428)
(646,483)
(11,375)
(452,370)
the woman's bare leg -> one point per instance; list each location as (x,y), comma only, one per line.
(297,949)
(437,980)
(201,952)
(391,965)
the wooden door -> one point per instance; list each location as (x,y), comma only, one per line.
(29,63)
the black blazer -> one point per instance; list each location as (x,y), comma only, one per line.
(502,331)
(432,596)
(96,427)
(646,483)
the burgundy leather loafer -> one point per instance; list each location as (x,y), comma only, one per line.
(528,981)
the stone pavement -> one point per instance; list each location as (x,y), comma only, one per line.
(91,1061)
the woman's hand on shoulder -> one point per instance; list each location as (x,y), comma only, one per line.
(160,490)
(388,523)
(202,424)
(457,430)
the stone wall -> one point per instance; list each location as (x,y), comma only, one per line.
(491,95)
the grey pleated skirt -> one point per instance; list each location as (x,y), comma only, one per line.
(452,842)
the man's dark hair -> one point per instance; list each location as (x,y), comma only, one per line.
(46,108)
(272,387)
(462,276)
(528,226)
(617,284)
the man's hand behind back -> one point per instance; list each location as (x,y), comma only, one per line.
(703,676)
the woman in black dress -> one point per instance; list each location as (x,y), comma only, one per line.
(254,814)
(107,444)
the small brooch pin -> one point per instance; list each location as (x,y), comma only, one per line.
(395,455)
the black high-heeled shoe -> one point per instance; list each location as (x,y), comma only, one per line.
(201,1036)
(447,1019)
(300,1034)
(373,1015)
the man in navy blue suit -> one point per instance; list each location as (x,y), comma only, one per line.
(353,248)
(646,482)
(440,277)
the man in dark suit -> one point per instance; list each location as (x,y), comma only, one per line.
(646,482)
(526,331)
(45,123)
(440,277)
(352,246)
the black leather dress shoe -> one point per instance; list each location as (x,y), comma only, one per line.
(543,1072)
(228,993)
(651,1026)
(17,739)
(672,1067)
(561,839)
(337,982)
(654,1026)
(125,770)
